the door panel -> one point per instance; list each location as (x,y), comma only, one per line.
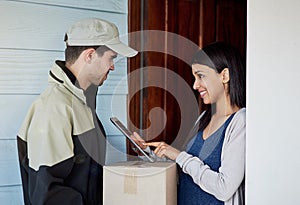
(199,22)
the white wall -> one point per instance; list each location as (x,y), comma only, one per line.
(273,134)
(31,38)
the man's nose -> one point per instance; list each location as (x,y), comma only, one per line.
(112,67)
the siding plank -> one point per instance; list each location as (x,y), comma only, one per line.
(116,149)
(13,110)
(118,6)
(11,195)
(9,167)
(37,26)
(111,105)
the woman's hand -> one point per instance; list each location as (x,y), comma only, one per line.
(164,150)
(137,139)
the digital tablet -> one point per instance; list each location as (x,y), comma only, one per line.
(127,134)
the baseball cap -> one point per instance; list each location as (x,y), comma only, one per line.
(94,32)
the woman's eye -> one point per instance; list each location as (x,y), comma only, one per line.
(200,75)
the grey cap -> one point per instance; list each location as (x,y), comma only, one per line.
(94,32)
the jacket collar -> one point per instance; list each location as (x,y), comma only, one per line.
(58,76)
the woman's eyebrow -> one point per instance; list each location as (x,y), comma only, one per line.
(198,71)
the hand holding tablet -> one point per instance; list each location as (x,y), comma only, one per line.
(134,139)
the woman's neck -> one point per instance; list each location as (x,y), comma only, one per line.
(223,108)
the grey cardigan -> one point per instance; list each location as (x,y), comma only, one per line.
(228,183)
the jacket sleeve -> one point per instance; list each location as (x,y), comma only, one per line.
(224,183)
(46,185)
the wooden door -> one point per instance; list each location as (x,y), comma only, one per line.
(197,22)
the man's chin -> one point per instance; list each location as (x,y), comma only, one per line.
(101,83)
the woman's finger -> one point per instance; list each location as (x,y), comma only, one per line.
(138,137)
(138,140)
(154,144)
(160,149)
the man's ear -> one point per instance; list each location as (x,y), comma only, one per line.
(225,75)
(88,54)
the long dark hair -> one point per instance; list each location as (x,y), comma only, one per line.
(218,56)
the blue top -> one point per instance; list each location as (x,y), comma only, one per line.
(209,151)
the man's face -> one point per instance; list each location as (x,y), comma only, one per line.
(100,67)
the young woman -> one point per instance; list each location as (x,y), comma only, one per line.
(213,164)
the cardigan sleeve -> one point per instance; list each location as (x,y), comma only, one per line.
(224,183)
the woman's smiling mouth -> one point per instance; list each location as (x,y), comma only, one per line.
(202,93)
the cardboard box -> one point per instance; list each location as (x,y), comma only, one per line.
(140,183)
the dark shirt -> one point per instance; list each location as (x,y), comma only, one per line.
(209,151)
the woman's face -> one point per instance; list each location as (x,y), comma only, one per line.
(209,83)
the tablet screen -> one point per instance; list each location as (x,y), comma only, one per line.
(127,133)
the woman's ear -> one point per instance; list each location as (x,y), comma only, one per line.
(225,75)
